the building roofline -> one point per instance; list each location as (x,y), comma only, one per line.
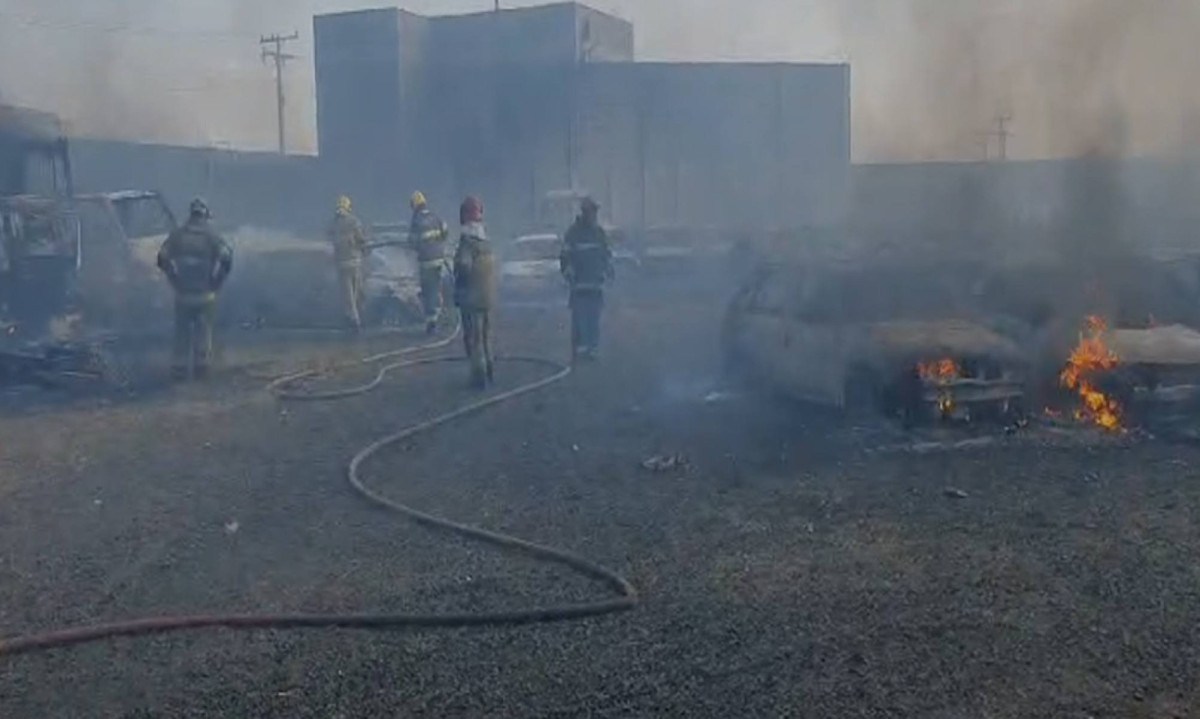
(759,64)
(478,13)
(532,8)
(368,10)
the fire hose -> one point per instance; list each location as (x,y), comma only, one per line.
(283,388)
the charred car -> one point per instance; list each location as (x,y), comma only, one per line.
(904,341)
(1110,337)
(283,281)
(40,256)
(119,280)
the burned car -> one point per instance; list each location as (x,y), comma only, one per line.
(283,281)
(1104,335)
(119,281)
(904,341)
(40,255)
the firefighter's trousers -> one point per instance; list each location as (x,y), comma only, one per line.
(351,281)
(477,340)
(586,305)
(432,284)
(194,319)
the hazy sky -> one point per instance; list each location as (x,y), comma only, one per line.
(929,75)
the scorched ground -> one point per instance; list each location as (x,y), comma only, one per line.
(792,565)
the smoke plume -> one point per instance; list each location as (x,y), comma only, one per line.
(929,76)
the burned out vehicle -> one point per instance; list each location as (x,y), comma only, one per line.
(287,282)
(39,260)
(905,341)
(34,156)
(1118,333)
(119,280)
(39,231)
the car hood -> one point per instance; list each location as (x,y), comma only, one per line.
(1167,345)
(941,338)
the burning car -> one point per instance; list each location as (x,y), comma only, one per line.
(1108,338)
(1118,372)
(900,340)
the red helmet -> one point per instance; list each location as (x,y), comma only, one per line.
(471,210)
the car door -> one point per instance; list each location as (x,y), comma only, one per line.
(754,324)
(812,335)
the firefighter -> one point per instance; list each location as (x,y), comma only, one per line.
(349,245)
(586,263)
(475,290)
(196,261)
(429,234)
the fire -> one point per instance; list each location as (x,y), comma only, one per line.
(941,372)
(1092,357)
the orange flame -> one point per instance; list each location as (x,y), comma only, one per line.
(1090,358)
(941,372)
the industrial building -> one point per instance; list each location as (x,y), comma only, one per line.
(516,103)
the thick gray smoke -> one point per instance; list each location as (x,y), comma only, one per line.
(929,75)
(932,76)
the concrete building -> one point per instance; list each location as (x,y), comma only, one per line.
(513,104)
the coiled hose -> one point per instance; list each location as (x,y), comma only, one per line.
(282,387)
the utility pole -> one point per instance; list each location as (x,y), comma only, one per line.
(281,58)
(1002,133)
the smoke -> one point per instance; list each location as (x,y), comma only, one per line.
(929,76)
(1076,76)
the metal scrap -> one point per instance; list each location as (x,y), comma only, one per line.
(665,463)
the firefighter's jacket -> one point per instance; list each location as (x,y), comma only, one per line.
(474,270)
(196,260)
(348,239)
(586,258)
(429,234)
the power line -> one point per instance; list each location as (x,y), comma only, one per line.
(281,58)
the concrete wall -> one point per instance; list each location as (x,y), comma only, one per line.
(243,188)
(513,104)
(368,72)
(720,145)
(476,103)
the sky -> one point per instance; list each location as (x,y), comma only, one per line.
(929,76)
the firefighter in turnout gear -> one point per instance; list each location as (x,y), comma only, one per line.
(475,290)
(586,263)
(428,234)
(349,246)
(196,261)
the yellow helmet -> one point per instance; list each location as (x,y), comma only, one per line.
(417,199)
(343,204)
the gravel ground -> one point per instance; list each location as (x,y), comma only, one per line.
(787,570)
